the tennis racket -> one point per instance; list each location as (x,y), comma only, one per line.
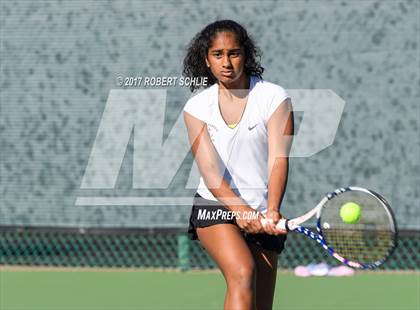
(365,243)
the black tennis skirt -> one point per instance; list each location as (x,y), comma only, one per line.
(269,242)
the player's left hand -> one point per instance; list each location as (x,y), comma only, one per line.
(270,226)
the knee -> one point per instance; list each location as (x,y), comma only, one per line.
(243,277)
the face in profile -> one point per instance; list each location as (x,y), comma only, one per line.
(226,58)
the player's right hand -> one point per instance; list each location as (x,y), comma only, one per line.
(272,217)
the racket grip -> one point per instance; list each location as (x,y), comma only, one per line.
(281,224)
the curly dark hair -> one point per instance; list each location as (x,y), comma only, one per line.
(194,61)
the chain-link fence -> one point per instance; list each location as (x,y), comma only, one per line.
(156,248)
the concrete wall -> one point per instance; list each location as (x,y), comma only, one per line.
(59,61)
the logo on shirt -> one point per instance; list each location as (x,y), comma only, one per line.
(252,127)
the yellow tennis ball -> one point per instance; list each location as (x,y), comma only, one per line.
(350,213)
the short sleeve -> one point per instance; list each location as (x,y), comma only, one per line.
(196,109)
(278,97)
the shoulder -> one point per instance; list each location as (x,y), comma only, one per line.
(202,96)
(269,90)
(200,104)
(270,96)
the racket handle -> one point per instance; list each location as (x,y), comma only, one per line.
(281,224)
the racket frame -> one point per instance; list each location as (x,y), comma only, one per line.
(295,225)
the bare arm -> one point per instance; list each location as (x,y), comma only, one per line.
(280,134)
(207,161)
(206,158)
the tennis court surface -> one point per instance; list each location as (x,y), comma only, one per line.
(138,289)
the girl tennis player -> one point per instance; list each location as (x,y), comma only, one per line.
(239,128)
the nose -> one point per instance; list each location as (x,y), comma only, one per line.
(226,62)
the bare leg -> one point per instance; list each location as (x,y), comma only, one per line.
(266,264)
(226,245)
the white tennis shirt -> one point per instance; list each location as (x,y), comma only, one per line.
(242,150)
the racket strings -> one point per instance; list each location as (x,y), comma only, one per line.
(368,240)
(358,246)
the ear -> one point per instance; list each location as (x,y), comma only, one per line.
(207,63)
